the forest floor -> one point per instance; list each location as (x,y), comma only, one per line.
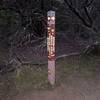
(75,89)
(77,78)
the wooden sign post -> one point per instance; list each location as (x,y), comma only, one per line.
(51,46)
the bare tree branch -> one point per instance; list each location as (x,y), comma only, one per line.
(82,13)
(77,13)
(88,16)
(87,3)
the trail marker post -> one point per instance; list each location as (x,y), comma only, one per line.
(51,46)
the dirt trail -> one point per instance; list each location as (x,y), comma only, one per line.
(76,88)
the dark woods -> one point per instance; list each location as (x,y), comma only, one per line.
(30,15)
(24,22)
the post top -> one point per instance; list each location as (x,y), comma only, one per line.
(51,13)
